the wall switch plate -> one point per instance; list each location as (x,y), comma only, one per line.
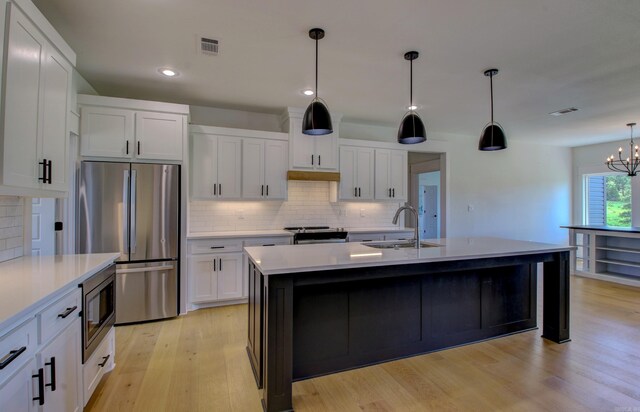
(470,208)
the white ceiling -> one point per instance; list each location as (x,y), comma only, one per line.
(552,54)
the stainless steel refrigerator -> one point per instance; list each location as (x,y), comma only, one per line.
(134,209)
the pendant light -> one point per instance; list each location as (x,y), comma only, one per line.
(411,128)
(492,137)
(630,165)
(317,120)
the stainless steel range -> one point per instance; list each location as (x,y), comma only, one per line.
(317,234)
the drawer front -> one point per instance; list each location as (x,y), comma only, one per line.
(268,241)
(101,361)
(197,247)
(17,347)
(55,318)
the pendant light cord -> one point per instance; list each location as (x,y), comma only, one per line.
(491,82)
(411,83)
(316,66)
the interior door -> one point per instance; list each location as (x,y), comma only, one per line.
(42,225)
(155,211)
(430,216)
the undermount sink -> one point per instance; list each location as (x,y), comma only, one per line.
(399,245)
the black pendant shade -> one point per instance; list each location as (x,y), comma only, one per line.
(317,120)
(492,137)
(411,130)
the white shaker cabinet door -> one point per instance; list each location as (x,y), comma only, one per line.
(204,159)
(229,167)
(25,57)
(276,154)
(303,147)
(17,393)
(348,183)
(398,174)
(55,97)
(159,136)
(364,173)
(229,276)
(253,163)
(326,152)
(106,132)
(204,285)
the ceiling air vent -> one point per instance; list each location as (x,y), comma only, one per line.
(209,46)
(563,111)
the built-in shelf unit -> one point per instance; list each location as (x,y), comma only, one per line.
(606,253)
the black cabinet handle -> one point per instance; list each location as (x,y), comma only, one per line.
(269,244)
(67,312)
(355,192)
(105,359)
(138,148)
(11,356)
(40,376)
(43,179)
(262,191)
(389,192)
(216,247)
(359,192)
(394,192)
(214,264)
(220,189)
(311,160)
(319,160)
(49,167)
(267,190)
(220,264)
(215,189)
(126,150)
(52,369)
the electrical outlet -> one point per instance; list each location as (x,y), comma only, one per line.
(240,214)
(363,212)
(470,208)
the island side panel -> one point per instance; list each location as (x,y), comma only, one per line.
(556,298)
(255,339)
(278,344)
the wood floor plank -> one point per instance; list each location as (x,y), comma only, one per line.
(198,362)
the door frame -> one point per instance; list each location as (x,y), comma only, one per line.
(424,167)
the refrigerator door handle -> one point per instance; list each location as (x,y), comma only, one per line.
(146,269)
(125,212)
(134,178)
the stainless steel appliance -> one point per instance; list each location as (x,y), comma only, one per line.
(134,209)
(317,234)
(98,309)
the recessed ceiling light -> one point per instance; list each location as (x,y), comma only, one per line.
(563,111)
(168,72)
(307,92)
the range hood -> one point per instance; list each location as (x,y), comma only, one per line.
(313,176)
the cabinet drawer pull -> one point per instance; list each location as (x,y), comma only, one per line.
(9,357)
(67,312)
(269,244)
(52,366)
(40,376)
(217,247)
(105,359)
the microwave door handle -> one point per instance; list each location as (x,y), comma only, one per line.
(125,213)
(134,179)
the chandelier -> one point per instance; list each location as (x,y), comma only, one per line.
(630,165)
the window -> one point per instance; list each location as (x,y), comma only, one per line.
(608,200)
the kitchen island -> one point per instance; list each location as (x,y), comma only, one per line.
(318,309)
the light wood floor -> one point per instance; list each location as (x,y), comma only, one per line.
(198,362)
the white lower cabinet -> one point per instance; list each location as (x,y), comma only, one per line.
(17,393)
(215,277)
(61,360)
(100,362)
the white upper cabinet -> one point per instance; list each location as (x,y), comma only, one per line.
(356,173)
(264,169)
(215,166)
(308,152)
(390,174)
(131,129)
(37,84)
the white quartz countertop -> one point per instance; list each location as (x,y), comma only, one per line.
(238,233)
(31,281)
(308,258)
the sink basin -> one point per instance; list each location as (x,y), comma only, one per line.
(399,245)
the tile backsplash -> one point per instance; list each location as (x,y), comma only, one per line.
(308,205)
(11,236)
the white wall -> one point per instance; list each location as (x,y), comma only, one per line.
(591,159)
(238,119)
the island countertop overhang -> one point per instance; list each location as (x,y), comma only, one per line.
(285,259)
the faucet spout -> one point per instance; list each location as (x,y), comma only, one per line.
(410,208)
